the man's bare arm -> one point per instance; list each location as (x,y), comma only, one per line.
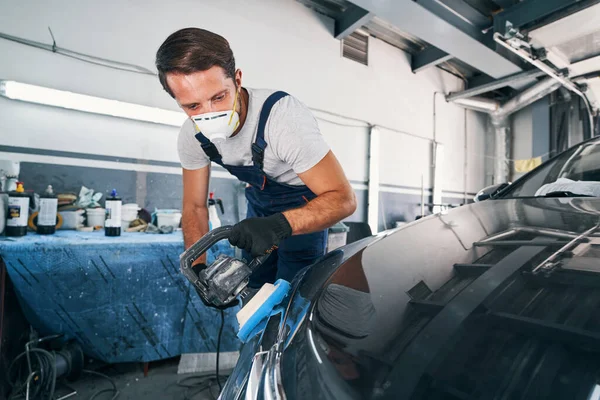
(335,198)
(195,211)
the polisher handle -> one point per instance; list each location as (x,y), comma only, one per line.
(187,258)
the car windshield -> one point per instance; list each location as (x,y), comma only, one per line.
(576,172)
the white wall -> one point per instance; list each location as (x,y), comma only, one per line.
(278,44)
(522,134)
(476,147)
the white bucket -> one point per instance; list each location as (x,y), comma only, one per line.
(95,216)
(168,218)
(129,212)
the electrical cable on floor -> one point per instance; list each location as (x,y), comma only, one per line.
(219,349)
(41,377)
(206,381)
(44,375)
(99,392)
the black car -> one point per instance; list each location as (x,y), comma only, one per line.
(499,299)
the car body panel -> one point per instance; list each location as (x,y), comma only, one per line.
(406,313)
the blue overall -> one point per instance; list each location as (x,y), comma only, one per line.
(267,197)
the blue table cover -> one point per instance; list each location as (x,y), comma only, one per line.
(122,298)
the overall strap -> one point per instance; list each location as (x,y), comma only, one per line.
(209,148)
(259,146)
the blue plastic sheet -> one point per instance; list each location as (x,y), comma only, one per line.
(122,298)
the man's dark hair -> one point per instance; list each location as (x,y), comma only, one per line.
(191,50)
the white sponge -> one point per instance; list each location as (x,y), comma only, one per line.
(255,302)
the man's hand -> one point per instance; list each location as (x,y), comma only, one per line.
(195,211)
(259,235)
(335,198)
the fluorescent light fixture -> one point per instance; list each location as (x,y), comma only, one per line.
(96,105)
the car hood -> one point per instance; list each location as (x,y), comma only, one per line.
(351,313)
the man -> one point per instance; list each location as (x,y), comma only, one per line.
(296,187)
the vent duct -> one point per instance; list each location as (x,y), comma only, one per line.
(356,47)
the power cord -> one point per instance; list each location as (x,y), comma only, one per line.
(40,383)
(206,381)
(197,384)
(99,392)
(219,349)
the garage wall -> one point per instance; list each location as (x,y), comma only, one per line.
(278,44)
(479,151)
(522,133)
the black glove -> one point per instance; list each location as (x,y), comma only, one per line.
(198,267)
(259,235)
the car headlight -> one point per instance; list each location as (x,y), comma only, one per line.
(251,360)
(236,383)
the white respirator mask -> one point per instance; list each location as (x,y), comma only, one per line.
(218,125)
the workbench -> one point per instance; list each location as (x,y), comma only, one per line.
(122,298)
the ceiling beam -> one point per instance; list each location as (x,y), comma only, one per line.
(429,57)
(352,19)
(442,10)
(468,13)
(529,11)
(418,21)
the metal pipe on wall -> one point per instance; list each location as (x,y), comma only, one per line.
(497,84)
(527,97)
(502,152)
(481,104)
(499,116)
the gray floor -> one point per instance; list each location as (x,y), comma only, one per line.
(161,383)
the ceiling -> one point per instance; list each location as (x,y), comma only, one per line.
(456,35)
(391,34)
(573,43)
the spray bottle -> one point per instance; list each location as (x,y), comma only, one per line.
(112,225)
(213,215)
(46,220)
(18,212)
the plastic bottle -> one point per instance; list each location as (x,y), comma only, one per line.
(46,220)
(18,212)
(213,215)
(112,225)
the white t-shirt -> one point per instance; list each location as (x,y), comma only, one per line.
(294,141)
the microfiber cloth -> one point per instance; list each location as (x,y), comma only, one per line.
(259,318)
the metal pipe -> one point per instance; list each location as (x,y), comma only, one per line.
(480,104)
(500,123)
(499,117)
(527,97)
(502,138)
(518,102)
(549,71)
(497,84)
